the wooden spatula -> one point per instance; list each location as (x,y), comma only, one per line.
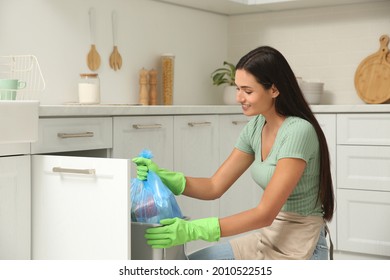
(93,58)
(115,57)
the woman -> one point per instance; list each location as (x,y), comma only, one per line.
(288,154)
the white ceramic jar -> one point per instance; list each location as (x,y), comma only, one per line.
(89,88)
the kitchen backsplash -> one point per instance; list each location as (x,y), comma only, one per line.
(320,43)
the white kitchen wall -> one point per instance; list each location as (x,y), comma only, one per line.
(320,43)
(324,44)
(57,33)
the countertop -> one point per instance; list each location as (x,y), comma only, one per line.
(133,110)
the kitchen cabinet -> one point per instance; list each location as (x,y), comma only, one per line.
(80,205)
(196,154)
(133,134)
(15,208)
(80,208)
(207,140)
(196,143)
(196,138)
(363,191)
(18,126)
(245,193)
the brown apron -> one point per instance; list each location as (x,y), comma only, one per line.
(290,237)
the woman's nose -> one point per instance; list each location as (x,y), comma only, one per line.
(239,95)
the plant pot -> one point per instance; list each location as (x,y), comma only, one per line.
(229,95)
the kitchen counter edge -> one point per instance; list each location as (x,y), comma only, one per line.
(134,110)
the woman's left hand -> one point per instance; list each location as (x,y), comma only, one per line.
(177,231)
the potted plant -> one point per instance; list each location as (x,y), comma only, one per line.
(226,76)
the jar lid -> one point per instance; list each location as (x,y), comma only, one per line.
(92,75)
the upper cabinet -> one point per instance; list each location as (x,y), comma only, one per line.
(236,7)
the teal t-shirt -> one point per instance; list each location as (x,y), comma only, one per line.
(296,138)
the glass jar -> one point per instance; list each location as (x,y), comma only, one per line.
(89,88)
(167,79)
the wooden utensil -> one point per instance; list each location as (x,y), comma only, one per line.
(115,57)
(372,77)
(93,58)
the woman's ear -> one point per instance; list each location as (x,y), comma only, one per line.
(274,91)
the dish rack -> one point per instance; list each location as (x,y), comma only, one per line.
(24,68)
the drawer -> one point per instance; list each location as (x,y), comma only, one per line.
(73,134)
(363,167)
(364,221)
(363,129)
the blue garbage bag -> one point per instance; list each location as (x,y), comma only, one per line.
(152,200)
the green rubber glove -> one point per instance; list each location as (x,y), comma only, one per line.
(175,181)
(177,231)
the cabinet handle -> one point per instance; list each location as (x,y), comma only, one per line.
(192,124)
(75,171)
(147,126)
(75,135)
(239,122)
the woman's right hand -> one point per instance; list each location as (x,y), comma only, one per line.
(143,166)
(175,181)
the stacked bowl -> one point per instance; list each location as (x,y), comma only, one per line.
(312,91)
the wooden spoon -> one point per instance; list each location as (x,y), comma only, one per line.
(93,58)
(115,57)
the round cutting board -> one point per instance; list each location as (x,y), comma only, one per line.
(372,77)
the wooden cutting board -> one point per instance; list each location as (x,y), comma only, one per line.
(372,77)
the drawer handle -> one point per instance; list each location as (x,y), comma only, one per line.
(239,122)
(192,124)
(74,135)
(74,171)
(147,126)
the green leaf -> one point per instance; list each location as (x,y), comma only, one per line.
(224,75)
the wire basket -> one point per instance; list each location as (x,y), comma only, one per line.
(24,68)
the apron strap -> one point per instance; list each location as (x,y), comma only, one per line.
(327,232)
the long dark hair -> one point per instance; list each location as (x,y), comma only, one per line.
(269,67)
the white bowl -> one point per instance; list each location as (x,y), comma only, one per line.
(311,85)
(312,91)
(312,97)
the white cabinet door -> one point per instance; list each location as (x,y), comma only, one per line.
(364,221)
(245,193)
(363,167)
(196,154)
(328,125)
(15,208)
(154,133)
(80,208)
(363,129)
